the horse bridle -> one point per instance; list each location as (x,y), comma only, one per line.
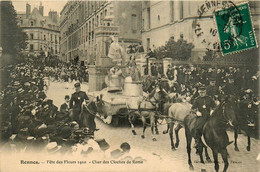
(90,111)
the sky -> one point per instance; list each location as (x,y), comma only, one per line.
(57,5)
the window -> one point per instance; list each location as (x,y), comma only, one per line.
(105,12)
(56,51)
(31,47)
(31,35)
(101,19)
(149,18)
(159,18)
(31,23)
(147,44)
(51,37)
(134,23)
(181,10)
(55,39)
(172,10)
(44,37)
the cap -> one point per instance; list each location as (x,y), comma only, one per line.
(248,91)
(20,90)
(77,84)
(212,79)
(202,88)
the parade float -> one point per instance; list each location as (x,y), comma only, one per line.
(116,79)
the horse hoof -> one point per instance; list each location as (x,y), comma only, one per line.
(176,145)
(248,148)
(165,132)
(142,136)
(236,149)
(191,168)
(134,133)
(173,149)
(154,139)
(202,162)
(209,160)
(157,132)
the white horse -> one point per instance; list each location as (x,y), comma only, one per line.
(146,107)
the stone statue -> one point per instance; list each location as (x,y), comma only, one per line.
(115,51)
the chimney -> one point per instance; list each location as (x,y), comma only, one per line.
(28,10)
(55,16)
(41,9)
(50,14)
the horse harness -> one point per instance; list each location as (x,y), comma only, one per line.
(88,110)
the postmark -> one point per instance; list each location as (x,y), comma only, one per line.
(235,28)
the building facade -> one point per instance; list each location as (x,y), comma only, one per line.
(86,25)
(190,20)
(42,31)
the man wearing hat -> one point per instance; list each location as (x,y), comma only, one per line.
(65,106)
(76,101)
(202,107)
(230,88)
(212,90)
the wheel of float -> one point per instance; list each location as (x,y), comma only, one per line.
(115,120)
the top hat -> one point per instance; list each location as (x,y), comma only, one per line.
(125,146)
(103,144)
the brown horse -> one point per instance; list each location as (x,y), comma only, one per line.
(246,118)
(88,114)
(146,107)
(214,132)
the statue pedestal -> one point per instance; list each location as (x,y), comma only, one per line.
(98,73)
(97,76)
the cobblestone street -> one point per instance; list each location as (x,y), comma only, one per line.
(160,150)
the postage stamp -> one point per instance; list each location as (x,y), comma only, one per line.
(235,28)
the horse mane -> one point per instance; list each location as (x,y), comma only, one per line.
(218,108)
(152,93)
(91,104)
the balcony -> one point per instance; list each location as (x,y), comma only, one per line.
(107,30)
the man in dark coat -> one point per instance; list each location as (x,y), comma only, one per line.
(212,90)
(230,88)
(202,107)
(76,101)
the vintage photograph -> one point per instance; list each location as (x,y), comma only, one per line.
(129,86)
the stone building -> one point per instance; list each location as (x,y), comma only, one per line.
(190,20)
(86,26)
(42,31)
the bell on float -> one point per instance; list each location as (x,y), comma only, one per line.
(132,88)
(114,80)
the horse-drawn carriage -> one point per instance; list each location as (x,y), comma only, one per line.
(115,97)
